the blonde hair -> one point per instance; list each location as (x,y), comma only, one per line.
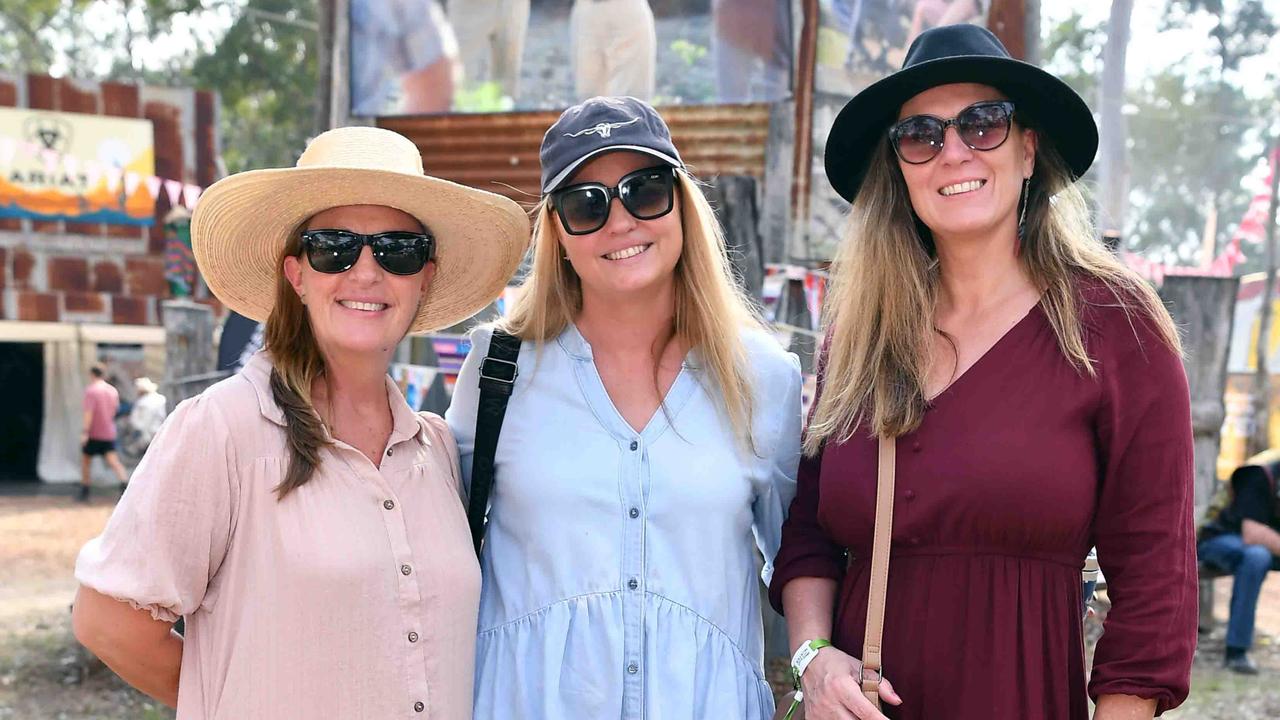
(711,310)
(884,288)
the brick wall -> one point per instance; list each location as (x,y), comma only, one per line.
(92,272)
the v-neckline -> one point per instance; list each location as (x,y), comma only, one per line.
(949,387)
(662,403)
(672,399)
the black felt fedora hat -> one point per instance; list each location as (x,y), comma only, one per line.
(958,54)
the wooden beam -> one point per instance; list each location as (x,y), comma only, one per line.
(806,60)
(1008,20)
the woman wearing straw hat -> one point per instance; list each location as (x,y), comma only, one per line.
(654,427)
(1034,388)
(299,515)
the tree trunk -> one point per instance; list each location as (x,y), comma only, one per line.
(734,200)
(340,64)
(324,67)
(1203,307)
(1261,437)
(1032,31)
(1113,171)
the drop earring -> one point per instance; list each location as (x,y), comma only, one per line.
(1025,199)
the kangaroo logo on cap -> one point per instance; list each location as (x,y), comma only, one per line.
(602,129)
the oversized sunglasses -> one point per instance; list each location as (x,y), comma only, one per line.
(398,252)
(982,126)
(647,194)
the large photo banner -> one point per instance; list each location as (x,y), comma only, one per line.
(413,57)
(75,167)
(859,42)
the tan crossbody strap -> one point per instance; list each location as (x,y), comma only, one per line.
(879,570)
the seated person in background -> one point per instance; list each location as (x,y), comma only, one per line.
(1244,539)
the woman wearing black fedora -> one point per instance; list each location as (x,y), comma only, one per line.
(1018,396)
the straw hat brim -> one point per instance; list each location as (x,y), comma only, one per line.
(243,221)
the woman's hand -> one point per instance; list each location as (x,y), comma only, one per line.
(833,691)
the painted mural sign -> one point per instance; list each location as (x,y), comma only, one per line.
(76,167)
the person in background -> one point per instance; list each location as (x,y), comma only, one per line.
(936,13)
(491,41)
(404,58)
(147,414)
(98,436)
(751,45)
(615,48)
(1243,539)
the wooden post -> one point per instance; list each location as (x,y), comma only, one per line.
(776,221)
(1007,19)
(1031,31)
(734,200)
(324,67)
(190,357)
(1260,439)
(340,65)
(806,60)
(1113,170)
(1203,308)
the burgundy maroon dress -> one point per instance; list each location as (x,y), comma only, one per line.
(1019,467)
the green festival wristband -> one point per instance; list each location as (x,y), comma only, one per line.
(799,663)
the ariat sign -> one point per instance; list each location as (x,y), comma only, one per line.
(69,166)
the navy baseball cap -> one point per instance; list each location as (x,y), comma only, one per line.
(600,125)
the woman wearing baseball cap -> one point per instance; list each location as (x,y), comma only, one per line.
(1036,393)
(653,431)
(300,515)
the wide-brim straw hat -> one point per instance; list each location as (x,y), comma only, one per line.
(958,54)
(242,223)
(144,385)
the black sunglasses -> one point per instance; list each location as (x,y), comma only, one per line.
(398,252)
(982,126)
(647,194)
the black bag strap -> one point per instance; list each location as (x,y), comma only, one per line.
(498,373)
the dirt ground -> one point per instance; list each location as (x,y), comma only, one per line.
(44,674)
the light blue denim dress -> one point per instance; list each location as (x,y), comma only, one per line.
(620,567)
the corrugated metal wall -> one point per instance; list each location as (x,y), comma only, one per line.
(499,152)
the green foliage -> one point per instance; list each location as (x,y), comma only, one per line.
(1243,28)
(1194,133)
(1073,52)
(1188,139)
(483,97)
(266,74)
(264,68)
(27,28)
(689,53)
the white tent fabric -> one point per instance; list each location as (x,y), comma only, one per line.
(59,458)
